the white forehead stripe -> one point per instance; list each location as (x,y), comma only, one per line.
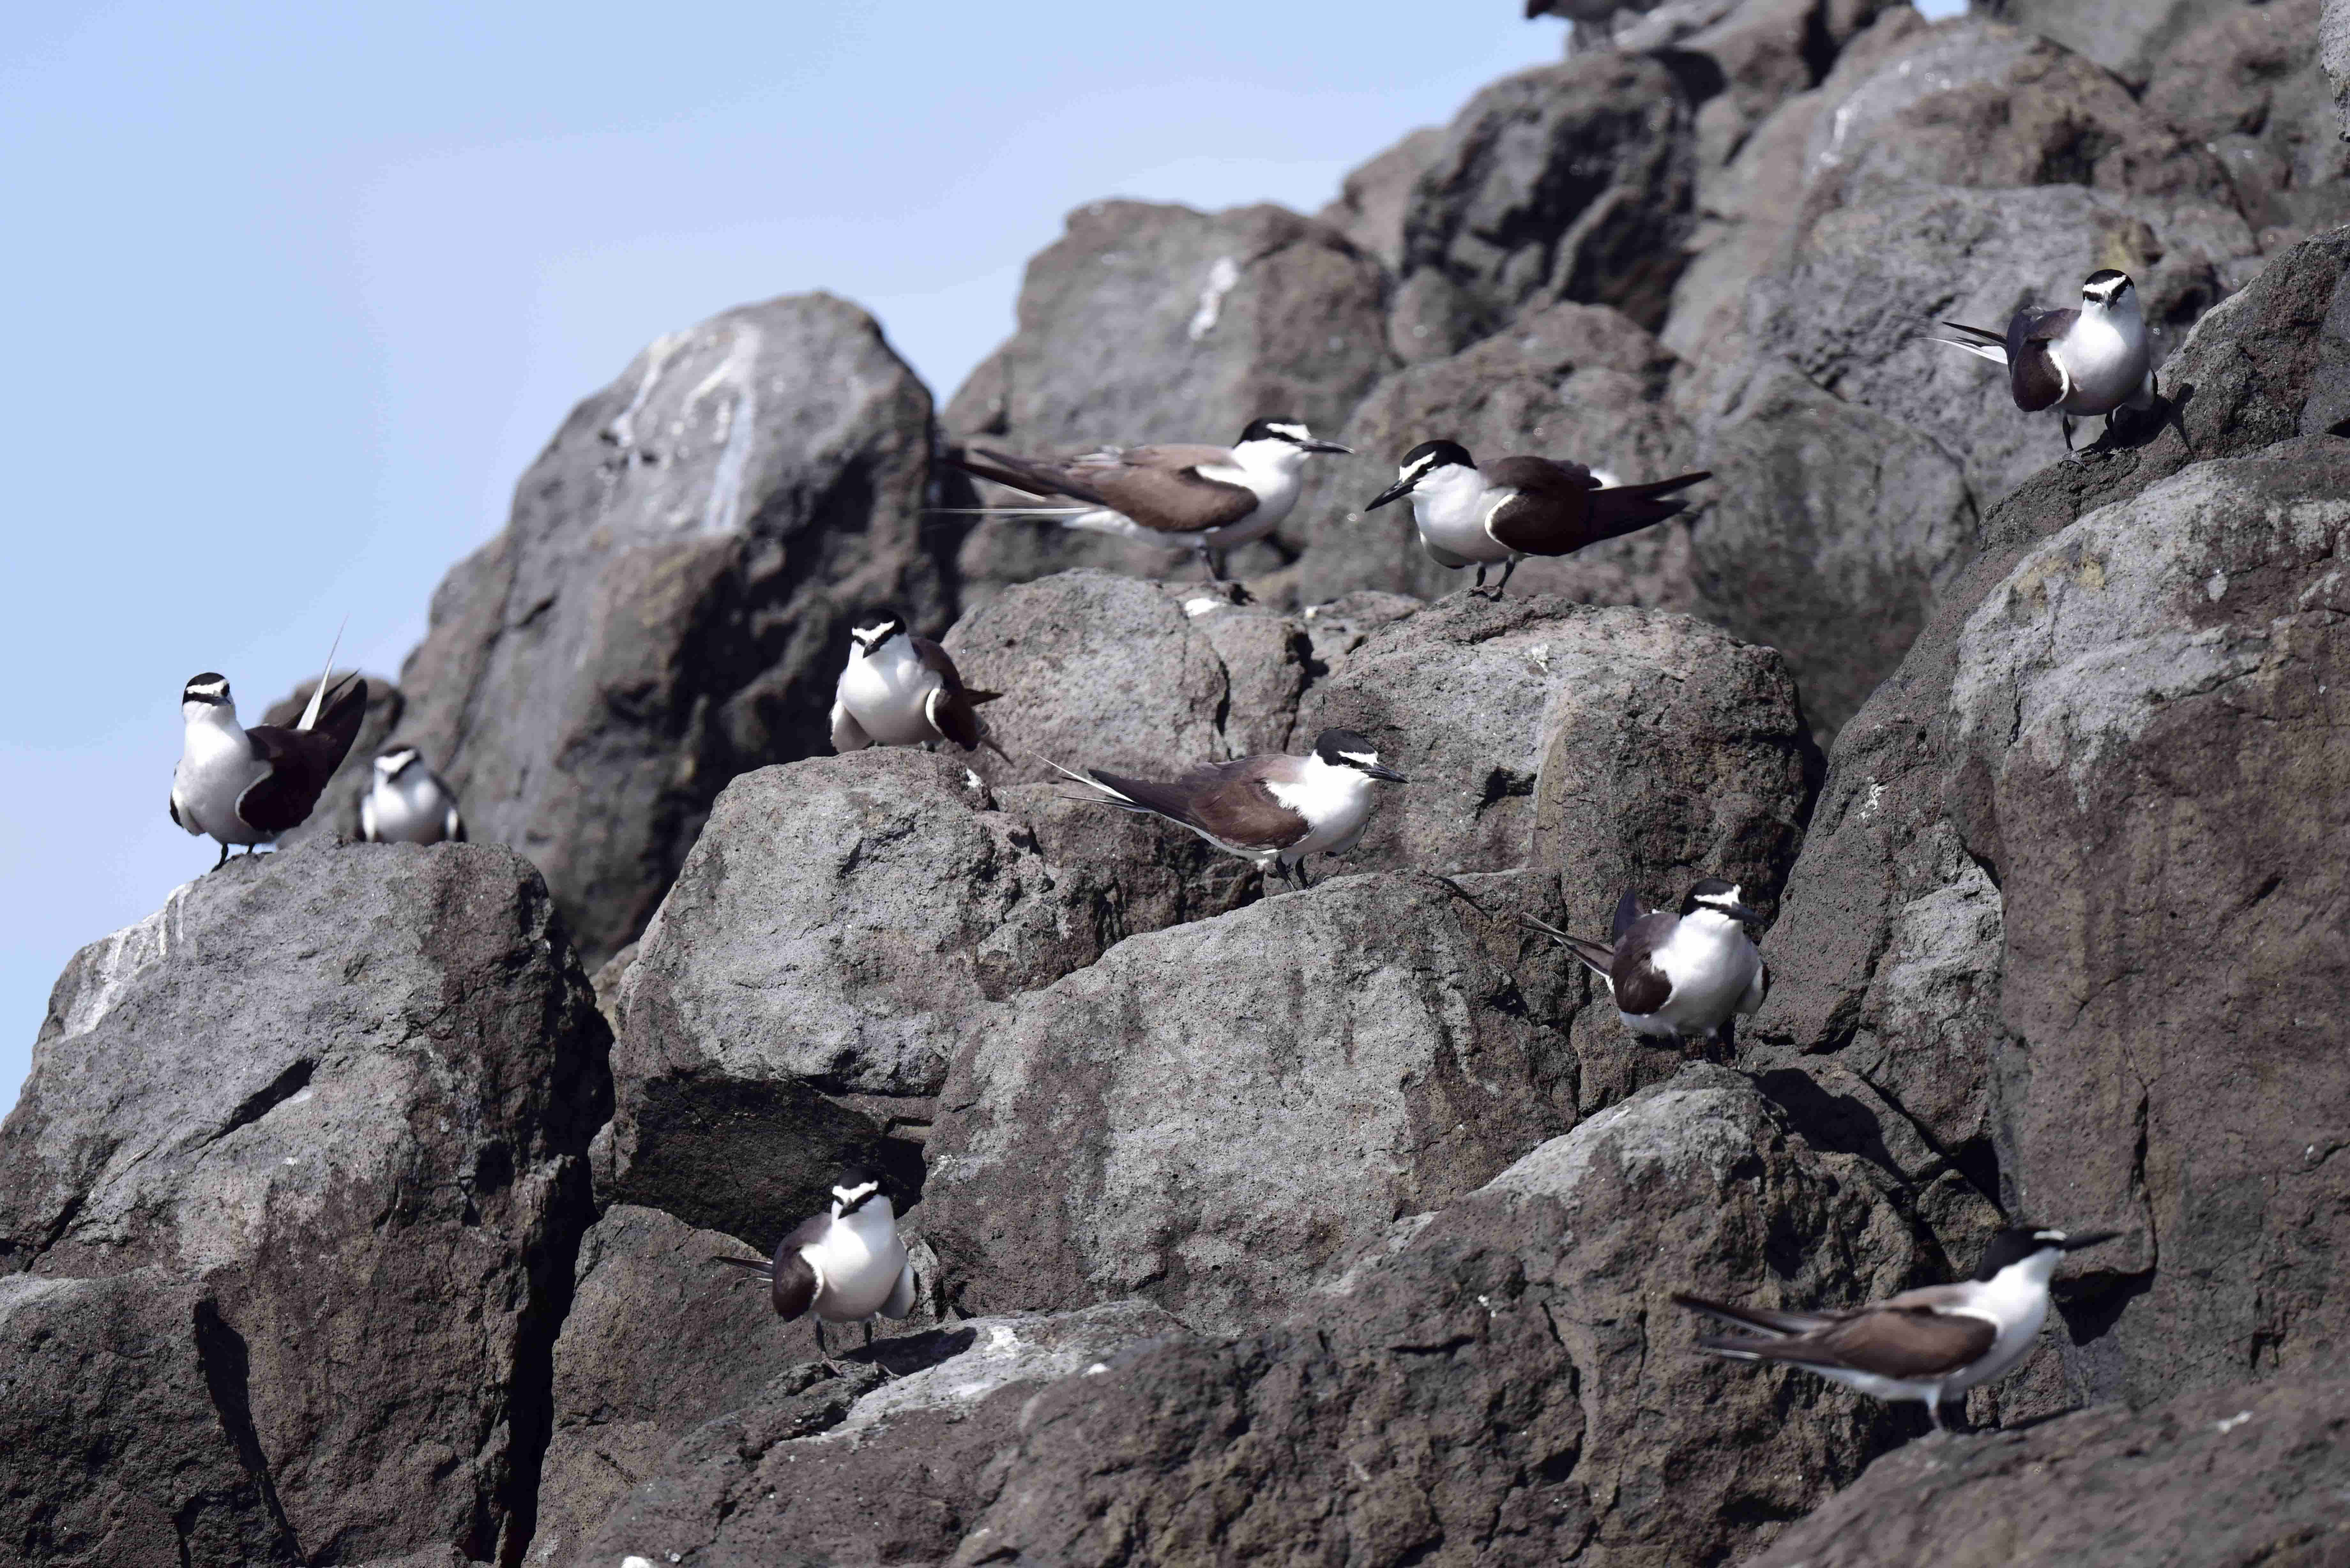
(1417,467)
(1363,759)
(1294,433)
(851,1194)
(209,687)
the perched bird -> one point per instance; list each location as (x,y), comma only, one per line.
(2093,360)
(407,802)
(1202,498)
(1272,810)
(1927,1344)
(1681,976)
(247,786)
(1518,506)
(846,1265)
(900,689)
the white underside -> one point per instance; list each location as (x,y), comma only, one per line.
(1715,972)
(889,695)
(2106,361)
(1455,511)
(406,811)
(861,1268)
(1337,803)
(216,767)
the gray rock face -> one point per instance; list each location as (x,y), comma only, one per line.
(1575,381)
(2125,37)
(1372,200)
(1961,925)
(2162,662)
(139,1369)
(669,605)
(1531,730)
(821,1468)
(1566,182)
(1104,671)
(2234,1475)
(2334,56)
(660,1338)
(1839,531)
(333,1105)
(837,924)
(2243,85)
(1218,1117)
(1511,1385)
(1148,322)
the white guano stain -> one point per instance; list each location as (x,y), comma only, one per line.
(1223,279)
(738,427)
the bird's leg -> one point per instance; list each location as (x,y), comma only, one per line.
(869,1334)
(2066,420)
(223,860)
(1480,586)
(1501,588)
(824,1351)
(1934,1412)
(1210,565)
(1304,882)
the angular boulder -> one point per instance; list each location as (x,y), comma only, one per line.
(2240,1474)
(1531,730)
(1510,1385)
(820,1468)
(1219,1117)
(669,606)
(796,999)
(334,1105)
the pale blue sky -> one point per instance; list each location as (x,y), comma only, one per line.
(298,291)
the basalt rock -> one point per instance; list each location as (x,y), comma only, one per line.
(670,605)
(289,1204)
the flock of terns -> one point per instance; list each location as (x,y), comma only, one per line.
(1681,974)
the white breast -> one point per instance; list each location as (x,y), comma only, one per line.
(857,1263)
(887,693)
(1335,802)
(410,809)
(1711,963)
(1452,507)
(2105,356)
(1276,488)
(216,766)
(2015,1302)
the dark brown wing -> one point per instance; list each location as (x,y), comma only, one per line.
(794,1287)
(1627,508)
(1628,910)
(1161,487)
(1559,508)
(1641,987)
(1892,1342)
(2032,372)
(950,708)
(300,761)
(1227,801)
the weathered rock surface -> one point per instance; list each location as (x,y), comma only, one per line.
(2235,1476)
(2125,37)
(1575,381)
(1148,1125)
(330,1108)
(660,1338)
(2334,56)
(1497,712)
(1511,1385)
(1970,925)
(796,997)
(853,1469)
(1564,183)
(1372,200)
(669,606)
(1151,323)
(1101,671)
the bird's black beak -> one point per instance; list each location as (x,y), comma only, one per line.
(2088,1239)
(1741,912)
(1330,446)
(1377,771)
(1396,491)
